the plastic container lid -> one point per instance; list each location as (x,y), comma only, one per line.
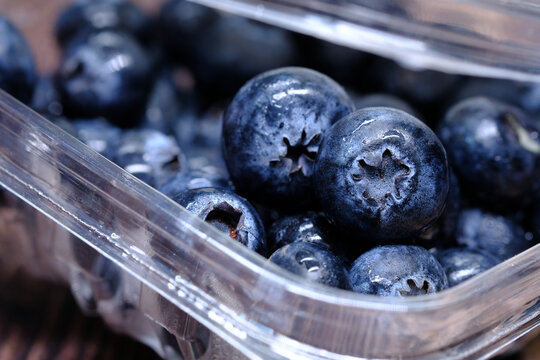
(499,39)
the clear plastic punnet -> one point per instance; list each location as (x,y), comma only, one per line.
(158,273)
(495,38)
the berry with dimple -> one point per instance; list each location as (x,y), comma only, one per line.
(397,270)
(494,149)
(272,130)
(382,173)
(228,212)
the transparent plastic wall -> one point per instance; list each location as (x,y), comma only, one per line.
(159,274)
(497,38)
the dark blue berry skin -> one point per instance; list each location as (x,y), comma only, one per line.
(309,227)
(85,17)
(441,233)
(397,270)
(420,87)
(99,134)
(229,213)
(17,68)
(525,95)
(195,179)
(384,100)
(222,48)
(272,130)
(180,24)
(381,173)
(46,99)
(312,262)
(496,234)
(461,264)
(109,75)
(494,149)
(150,155)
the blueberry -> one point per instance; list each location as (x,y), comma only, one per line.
(17,68)
(420,87)
(222,48)
(180,23)
(384,100)
(312,262)
(272,130)
(461,264)
(345,64)
(494,149)
(150,155)
(310,227)
(525,95)
(99,134)
(85,17)
(109,75)
(441,233)
(46,99)
(195,179)
(381,173)
(229,213)
(397,270)
(496,234)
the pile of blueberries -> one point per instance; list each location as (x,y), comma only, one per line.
(421,182)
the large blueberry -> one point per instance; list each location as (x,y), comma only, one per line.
(495,234)
(310,227)
(313,262)
(150,155)
(381,173)
(397,270)
(17,68)
(229,213)
(84,17)
(494,149)
(109,75)
(461,264)
(272,130)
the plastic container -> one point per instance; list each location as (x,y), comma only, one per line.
(156,272)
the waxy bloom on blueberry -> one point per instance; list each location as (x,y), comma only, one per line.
(382,173)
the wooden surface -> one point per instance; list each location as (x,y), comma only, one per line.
(40,321)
